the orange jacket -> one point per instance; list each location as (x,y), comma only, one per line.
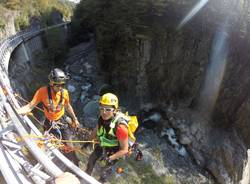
(41,95)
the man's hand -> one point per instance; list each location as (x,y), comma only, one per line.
(19,111)
(22,111)
(67,178)
(25,109)
(75,123)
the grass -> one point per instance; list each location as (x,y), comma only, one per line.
(138,172)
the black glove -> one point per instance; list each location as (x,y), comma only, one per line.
(107,160)
(86,145)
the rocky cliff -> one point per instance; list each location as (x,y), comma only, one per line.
(186,61)
(194,61)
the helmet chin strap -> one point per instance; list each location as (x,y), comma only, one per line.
(51,87)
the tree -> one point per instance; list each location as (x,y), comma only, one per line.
(12,4)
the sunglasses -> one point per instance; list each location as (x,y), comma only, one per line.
(58,85)
(106,109)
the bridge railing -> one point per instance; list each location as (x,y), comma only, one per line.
(22,125)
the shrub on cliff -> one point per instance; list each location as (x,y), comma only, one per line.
(37,8)
(2,24)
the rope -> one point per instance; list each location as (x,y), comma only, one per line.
(55,142)
(54,139)
(21,98)
(82,130)
(32,115)
(54,126)
(68,149)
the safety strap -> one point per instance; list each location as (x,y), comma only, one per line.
(59,106)
(114,122)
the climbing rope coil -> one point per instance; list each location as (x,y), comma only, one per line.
(49,140)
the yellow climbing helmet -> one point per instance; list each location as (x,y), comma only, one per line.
(109,99)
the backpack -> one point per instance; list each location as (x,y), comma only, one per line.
(132,124)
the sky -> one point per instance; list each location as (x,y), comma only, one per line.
(76,1)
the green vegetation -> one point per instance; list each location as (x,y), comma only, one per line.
(147,174)
(138,172)
(21,23)
(12,4)
(41,13)
(37,8)
(2,24)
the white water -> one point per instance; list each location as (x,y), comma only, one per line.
(172,139)
(156,117)
(246,170)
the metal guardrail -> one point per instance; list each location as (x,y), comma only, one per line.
(14,166)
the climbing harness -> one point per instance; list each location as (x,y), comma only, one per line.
(134,149)
(51,104)
(108,139)
(78,129)
(131,123)
(55,125)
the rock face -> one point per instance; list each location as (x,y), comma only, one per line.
(202,66)
(7,18)
(27,67)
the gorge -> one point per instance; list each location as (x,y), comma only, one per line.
(186,78)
